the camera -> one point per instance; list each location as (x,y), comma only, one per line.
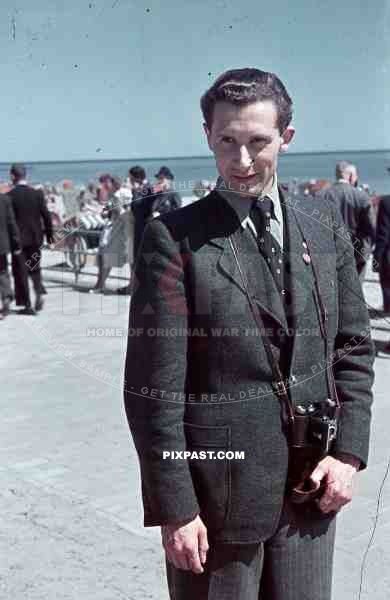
(315,426)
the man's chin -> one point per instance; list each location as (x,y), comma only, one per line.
(247,190)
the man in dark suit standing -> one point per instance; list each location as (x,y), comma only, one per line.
(166,198)
(141,203)
(33,220)
(355,207)
(382,251)
(247,321)
(141,208)
(9,242)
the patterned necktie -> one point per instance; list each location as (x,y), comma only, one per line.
(261,214)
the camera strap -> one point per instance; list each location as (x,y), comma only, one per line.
(278,383)
(302,460)
(324,332)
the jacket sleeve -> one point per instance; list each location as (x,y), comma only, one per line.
(366,225)
(46,217)
(353,367)
(155,376)
(382,242)
(13,230)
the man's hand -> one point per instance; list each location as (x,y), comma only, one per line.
(186,544)
(338,474)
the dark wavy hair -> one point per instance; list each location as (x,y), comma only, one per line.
(243,86)
(138,173)
(18,171)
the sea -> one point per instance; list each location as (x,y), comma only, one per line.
(372,166)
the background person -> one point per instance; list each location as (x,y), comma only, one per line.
(9,242)
(141,206)
(166,198)
(34,222)
(381,263)
(356,210)
(55,205)
(139,214)
(113,245)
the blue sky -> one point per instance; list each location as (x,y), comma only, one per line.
(122,78)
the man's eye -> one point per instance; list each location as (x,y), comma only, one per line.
(227,140)
(259,142)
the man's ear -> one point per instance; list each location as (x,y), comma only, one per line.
(287,136)
(208,134)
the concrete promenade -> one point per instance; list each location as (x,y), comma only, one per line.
(70,507)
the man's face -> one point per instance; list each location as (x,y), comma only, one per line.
(108,186)
(353,178)
(134,183)
(246,142)
(164,183)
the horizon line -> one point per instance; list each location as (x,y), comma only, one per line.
(183,157)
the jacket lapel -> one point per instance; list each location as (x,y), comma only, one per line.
(300,278)
(261,283)
(300,230)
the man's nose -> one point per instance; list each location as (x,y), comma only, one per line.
(245,158)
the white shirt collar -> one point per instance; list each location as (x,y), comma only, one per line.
(242,204)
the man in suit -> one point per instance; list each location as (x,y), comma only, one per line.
(382,251)
(9,242)
(140,207)
(166,199)
(33,220)
(246,306)
(355,207)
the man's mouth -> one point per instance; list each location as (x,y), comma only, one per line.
(244,178)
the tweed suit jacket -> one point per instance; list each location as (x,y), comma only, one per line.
(197,374)
(355,207)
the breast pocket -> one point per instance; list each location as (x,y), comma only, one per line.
(210,475)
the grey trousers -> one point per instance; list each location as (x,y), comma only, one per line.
(294,564)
